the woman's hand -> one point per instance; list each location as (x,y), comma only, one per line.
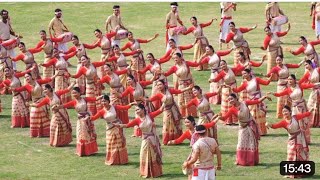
(254,27)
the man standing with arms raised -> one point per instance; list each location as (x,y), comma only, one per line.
(115,23)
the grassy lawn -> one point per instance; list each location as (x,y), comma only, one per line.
(23,157)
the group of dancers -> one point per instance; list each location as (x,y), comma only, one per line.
(42,100)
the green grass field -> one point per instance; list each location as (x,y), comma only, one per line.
(23,157)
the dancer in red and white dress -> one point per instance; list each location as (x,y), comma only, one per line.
(201,101)
(113,80)
(86,136)
(47,45)
(119,61)
(308,50)
(295,92)
(93,89)
(81,49)
(27,57)
(297,148)
(252,86)
(227,76)
(20,115)
(272,45)
(104,42)
(39,116)
(282,73)
(213,59)
(116,150)
(312,75)
(60,126)
(62,81)
(137,60)
(200,38)
(155,68)
(248,138)
(185,79)
(240,44)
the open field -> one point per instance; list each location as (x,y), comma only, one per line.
(26,158)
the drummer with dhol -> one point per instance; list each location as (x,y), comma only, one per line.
(275,17)
(5,34)
(60,29)
(114,21)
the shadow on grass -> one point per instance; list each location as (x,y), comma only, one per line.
(99,155)
(136,153)
(229,152)
(314,144)
(268,165)
(171,175)
(134,163)
(275,135)
(5,116)
(314,177)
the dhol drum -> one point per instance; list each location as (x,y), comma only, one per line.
(67,36)
(12,46)
(280,20)
(179,29)
(121,34)
(317,16)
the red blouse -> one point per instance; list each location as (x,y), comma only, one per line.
(192,28)
(115,58)
(29,88)
(231,34)
(222,73)
(107,78)
(284,124)
(87,46)
(103,111)
(149,66)
(137,121)
(108,35)
(74,102)
(46,100)
(159,96)
(267,39)
(168,53)
(21,56)
(219,53)
(83,70)
(234,111)
(53,39)
(195,101)
(54,60)
(277,69)
(244,85)
(302,48)
(306,76)
(129,44)
(288,90)
(130,89)
(173,69)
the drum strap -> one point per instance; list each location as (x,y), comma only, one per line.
(63,24)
